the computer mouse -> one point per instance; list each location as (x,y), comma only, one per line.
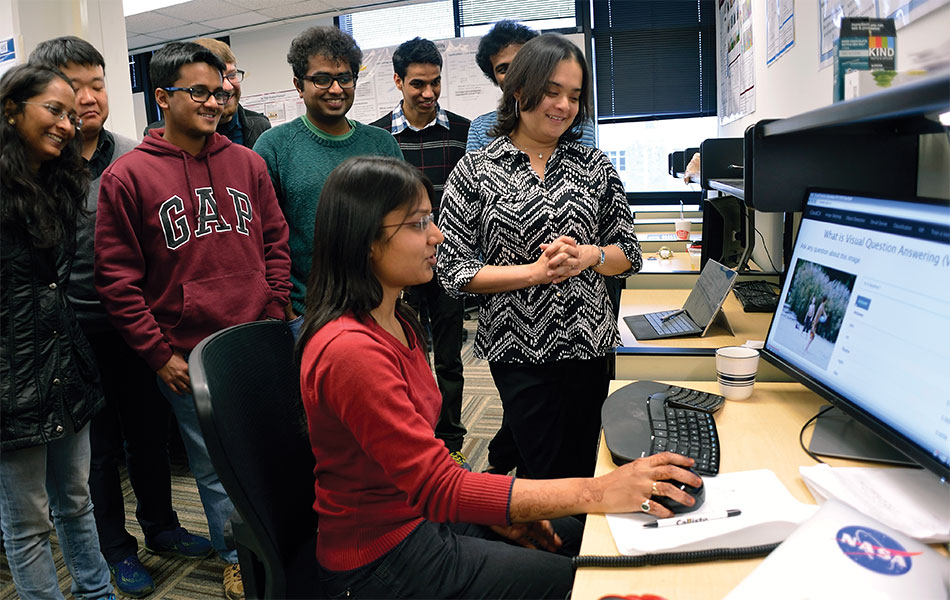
(698,493)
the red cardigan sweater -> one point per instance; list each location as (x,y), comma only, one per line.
(371,406)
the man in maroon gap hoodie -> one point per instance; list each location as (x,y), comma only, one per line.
(190,240)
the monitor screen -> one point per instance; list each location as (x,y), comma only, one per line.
(864,317)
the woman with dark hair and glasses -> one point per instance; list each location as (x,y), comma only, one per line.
(533,224)
(398,517)
(49,387)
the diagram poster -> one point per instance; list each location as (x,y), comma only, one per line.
(779,28)
(737,67)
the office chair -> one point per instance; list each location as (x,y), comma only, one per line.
(247,394)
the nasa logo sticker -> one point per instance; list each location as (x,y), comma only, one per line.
(874,550)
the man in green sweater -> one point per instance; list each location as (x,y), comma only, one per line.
(301,154)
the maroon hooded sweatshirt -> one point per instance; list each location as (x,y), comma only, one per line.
(188,245)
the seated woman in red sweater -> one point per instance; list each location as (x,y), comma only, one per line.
(398,517)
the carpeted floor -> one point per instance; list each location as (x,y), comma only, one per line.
(177,579)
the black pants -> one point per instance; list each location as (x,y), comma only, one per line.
(502,450)
(137,413)
(553,411)
(461,560)
(442,315)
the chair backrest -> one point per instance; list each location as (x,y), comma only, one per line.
(246,387)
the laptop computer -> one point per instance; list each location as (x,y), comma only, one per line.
(843,553)
(697,315)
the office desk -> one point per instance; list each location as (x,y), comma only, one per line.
(758,433)
(685,358)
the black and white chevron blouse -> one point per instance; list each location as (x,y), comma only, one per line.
(497,211)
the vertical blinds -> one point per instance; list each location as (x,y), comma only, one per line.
(482,12)
(654,58)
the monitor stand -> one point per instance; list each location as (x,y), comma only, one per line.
(838,435)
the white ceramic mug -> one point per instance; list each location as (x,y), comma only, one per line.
(682,229)
(735,368)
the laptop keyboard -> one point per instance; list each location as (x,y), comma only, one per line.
(678,324)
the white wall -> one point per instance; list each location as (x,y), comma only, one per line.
(794,84)
(100,22)
(263,54)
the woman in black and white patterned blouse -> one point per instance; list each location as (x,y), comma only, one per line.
(533,223)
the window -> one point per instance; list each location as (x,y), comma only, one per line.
(393,26)
(436,20)
(476,17)
(639,151)
(654,58)
(655,71)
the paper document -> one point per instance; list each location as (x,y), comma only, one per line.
(769,515)
(912,501)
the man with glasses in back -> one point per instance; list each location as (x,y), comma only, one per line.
(190,240)
(132,429)
(301,153)
(238,124)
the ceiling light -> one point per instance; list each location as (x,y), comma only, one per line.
(134,7)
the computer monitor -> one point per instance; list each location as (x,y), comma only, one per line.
(864,320)
(727,232)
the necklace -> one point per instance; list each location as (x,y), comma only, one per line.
(528,150)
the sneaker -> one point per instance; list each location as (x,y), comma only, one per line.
(462,461)
(131,577)
(179,543)
(233,584)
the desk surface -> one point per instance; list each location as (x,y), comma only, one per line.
(746,445)
(747,326)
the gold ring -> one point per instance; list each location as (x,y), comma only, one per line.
(654,490)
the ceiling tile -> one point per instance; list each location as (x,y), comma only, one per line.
(308,7)
(142,41)
(235,21)
(150,21)
(258,4)
(201,10)
(192,30)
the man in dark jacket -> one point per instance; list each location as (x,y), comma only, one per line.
(238,124)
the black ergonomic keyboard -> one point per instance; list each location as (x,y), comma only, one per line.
(647,417)
(756,296)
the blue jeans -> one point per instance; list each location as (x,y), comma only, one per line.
(295,326)
(33,481)
(214,499)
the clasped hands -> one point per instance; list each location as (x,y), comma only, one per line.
(564,258)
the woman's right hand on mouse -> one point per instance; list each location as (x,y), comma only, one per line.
(625,489)
(629,486)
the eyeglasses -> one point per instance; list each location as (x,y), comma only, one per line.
(323,81)
(58,112)
(201,94)
(422,224)
(236,77)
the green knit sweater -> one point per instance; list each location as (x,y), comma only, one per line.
(299,159)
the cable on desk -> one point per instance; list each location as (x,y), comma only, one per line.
(765,247)
(668,558)
(801,434)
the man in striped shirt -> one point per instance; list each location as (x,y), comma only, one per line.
(432,139)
